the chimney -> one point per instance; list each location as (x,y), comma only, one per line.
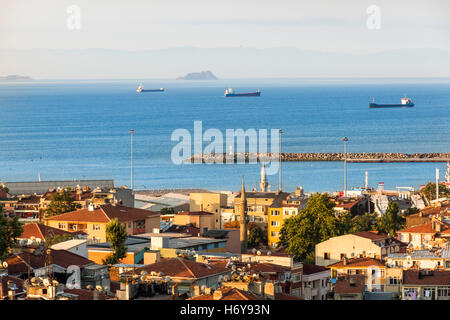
(218,294)
(345,261)
(196,290)
(269,290)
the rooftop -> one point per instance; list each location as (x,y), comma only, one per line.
(40,187)
(433,277)
(358,263)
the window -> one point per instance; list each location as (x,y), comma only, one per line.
(393,281)
(343,255)
(410,293)
(275,212)
(326,255)
(61,225)
(275,223)
(129,224)
(429,293)
(443,291)
(275,234)
(96,227)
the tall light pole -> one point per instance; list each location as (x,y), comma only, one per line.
(437,183)
(279,183)
(345,139)
(131,132)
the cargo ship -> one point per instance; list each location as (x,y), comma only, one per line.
(405,103)
(141,89)
(230,93)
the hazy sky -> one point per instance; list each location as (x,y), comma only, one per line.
(338,26)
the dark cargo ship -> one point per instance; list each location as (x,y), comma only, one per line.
(230,93)
(405,103)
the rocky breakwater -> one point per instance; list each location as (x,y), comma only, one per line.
(351,157)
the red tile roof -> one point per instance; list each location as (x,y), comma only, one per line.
(30,200)
(105,213)
(229,294)
(372,235)
(426,228)
(41,231)
(18,263)
(312,268)
(182,268)
(358,263)
(441,278)
(264,267)
(285,296)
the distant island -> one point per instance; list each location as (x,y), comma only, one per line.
(14,78)
(204,75)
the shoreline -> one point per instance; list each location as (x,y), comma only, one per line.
(375,157)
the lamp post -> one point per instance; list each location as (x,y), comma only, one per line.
(280,132)
(345,139)
(131,132)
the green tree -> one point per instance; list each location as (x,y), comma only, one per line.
(391,221)
(411,211)
(10,230)
(61,202)
(365,222)
(256,237)
(4,188)
(429,191)
(57,239)
(116,235)
(167,211)
(315,223)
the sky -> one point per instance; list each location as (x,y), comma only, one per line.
(136,25)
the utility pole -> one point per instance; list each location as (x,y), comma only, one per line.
(131,132)
(345,139)
(279,183)
(437,183)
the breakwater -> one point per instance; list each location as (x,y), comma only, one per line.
(351,157)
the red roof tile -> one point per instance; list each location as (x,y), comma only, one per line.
(441,278)
(372,235)
(343,285)
(41,231)
(18,263)
(105,213)
(312,268)
(358,262)
(426,228)
(229,294)
(4,285)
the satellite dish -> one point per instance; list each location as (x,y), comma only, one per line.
(254,250)
(177,252)
(46,282)
(107,288)
(161,274)
(5,264)
(203,287)
(33,280)
(153,273)
(89,287)
(168,279)
(225,278)
(220,278)
(233,267)
(99,288)
(258,253)
(142,278)
(55,283)
(144,273)
(269,253)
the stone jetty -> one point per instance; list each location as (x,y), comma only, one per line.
(351,157)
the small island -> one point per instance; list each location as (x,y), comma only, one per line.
(203,75)
(15,78)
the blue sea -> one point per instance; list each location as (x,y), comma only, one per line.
(80,130)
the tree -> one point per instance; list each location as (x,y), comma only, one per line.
(391,221)
(256,236)
(10,230)
(4,188)
(167,211)
(235,224)
(366,222)
(49,241)
(116,235)
(429,191)
(61,202)
(411,211)
(315,223)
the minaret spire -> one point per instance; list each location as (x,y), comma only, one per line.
(263,184)
(243,218)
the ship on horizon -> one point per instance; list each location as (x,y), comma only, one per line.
(230,93)
(405,103)
(141,89)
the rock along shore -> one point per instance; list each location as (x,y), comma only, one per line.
(351,157)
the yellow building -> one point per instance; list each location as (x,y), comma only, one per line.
(258,204)
(371,244)
(199,219)
(93,221)
(209,202)
(278,212)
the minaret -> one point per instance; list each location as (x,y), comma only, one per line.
(263,184)
(243,219)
